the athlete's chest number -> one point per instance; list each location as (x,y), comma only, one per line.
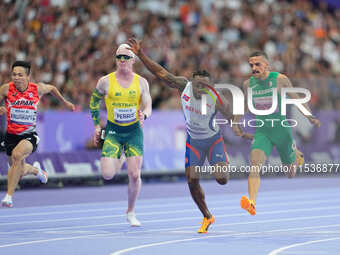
(125,115)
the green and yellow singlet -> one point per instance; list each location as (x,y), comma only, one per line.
(122,104)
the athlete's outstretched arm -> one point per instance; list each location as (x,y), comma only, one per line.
(284,82)
(236,127)
(223,108)
(3,94)
(173,81)
(47,88)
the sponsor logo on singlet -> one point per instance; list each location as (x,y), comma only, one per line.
(132,93)
(23,102)
(186,98)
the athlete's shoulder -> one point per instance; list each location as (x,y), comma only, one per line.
(188,84)
(281,75)
(39,85)
(36,86)
(141,78)
(283,80)
(104,80)
(246,83)
(32,83)
(105,77)
(103,84)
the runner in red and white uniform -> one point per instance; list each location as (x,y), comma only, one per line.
(21,105)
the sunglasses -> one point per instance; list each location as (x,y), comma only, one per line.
(123,57)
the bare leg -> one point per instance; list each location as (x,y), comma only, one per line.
(110,167)
(221,174)
(19,153)
(196,191)
(134,165)
(29,169)
(257,159)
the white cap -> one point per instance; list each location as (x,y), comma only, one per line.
(123,50)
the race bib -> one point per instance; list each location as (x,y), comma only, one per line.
(264,103)
(125,115)
(23,116)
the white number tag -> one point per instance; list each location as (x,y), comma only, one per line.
(23,116)
(125,115)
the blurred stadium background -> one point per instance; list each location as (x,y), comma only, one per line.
(71,45)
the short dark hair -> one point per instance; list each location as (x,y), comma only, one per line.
(24,64)
(258,53)
(203,73)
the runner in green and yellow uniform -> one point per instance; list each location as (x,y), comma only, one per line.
(128,104)
(270,131)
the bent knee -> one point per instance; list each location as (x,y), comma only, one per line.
(134,176)
(256,162)
(107,174)
(222,181)
(17,157)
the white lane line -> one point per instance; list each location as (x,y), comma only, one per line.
(113,208)
(276,194)
(208,237)
(167,220)
(177,211)
(114,234)
(190,232)
(229,202)
(181,228)
(305,252)
(277,251)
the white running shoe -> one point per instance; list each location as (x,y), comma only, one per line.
(131,218)
(7,201)
(42,175)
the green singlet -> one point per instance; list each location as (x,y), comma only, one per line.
(271,133)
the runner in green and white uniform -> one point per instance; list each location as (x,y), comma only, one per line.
(271,133)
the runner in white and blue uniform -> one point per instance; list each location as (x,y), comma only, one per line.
(204,140)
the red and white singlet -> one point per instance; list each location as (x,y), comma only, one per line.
(22,109)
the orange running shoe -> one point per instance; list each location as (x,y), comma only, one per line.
(206,224)
(248,205)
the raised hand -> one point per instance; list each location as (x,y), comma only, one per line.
(237,130)
(135,45)
(314,121)
(70,106)
(247,136)
(97,134)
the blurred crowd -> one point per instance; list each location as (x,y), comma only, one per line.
(71,43)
